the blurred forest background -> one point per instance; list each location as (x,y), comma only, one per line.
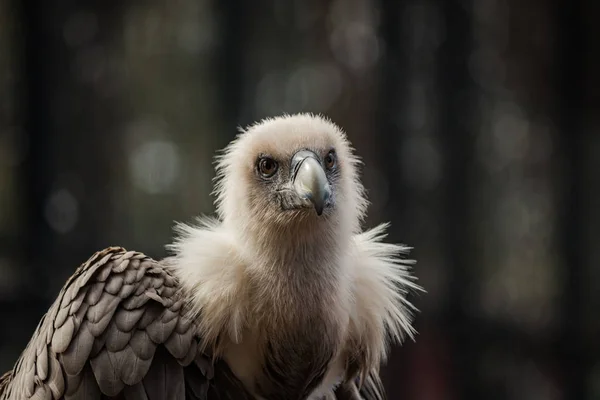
(477,120)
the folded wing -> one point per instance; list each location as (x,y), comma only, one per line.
(118,328)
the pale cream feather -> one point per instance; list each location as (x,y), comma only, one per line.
(210,267)
(381,280)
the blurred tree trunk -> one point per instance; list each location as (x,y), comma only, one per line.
(455,130)
(590,141)
(389,133)
(576,355)
(410,150)
(69,116)
(515,202)
(170,51)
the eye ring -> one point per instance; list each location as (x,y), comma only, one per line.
(330,160)
(267,167)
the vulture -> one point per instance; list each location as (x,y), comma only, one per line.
(281,295)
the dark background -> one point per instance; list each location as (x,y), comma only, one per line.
(477,121)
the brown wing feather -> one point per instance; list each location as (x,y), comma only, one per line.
(118,327)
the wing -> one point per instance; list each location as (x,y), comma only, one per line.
(118,328)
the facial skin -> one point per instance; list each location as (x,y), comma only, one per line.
(307,180)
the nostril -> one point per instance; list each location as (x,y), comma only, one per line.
(327,197)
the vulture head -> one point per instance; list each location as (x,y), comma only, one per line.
(290,173)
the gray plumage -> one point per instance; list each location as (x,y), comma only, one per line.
(118,327)
(284,296)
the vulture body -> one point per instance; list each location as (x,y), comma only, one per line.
(281,296)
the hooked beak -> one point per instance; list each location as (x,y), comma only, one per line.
(309,179)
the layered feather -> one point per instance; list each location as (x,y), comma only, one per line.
(117,328)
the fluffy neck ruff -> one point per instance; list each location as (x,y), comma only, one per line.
(231,275)
(306,244)
(299,271)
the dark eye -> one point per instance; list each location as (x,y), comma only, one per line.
(330,160)
(267,166)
